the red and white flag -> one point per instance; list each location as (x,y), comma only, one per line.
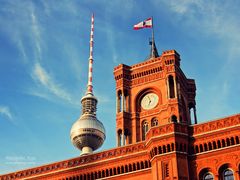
(144,24)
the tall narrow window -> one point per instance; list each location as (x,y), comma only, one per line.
(192,111)
(171,87)
(119,101)
(144,129)
(125,101)
(119,138)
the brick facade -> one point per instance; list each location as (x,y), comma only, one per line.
(160,142)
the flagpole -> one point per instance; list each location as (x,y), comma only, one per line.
(152,39)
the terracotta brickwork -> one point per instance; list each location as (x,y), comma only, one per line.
(157,136)
(161,76)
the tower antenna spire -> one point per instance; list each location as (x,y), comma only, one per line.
(90,65)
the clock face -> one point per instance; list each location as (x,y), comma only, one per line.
(149,101)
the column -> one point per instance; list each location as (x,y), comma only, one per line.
(122,103)
(175,86)
(195,115)
(168,89)
(117,104)
(123,140)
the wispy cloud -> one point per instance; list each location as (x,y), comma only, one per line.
(212,18)
(5,111)
(24,26)
(219,21)
(44,79)
(22,50)
(215,19)
(41,74)
(35,28)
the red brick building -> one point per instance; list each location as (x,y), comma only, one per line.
(157,132)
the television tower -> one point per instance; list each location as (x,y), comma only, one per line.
(88,133)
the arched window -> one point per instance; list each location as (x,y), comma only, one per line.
(237,140)
(154,122)
(125,101)
(168,148)
(192,111)
(120,138)
(144,129)
(119,101)
(146,164)
(201,148)
(126,168)
(210,146)
(180,147)
(171,87)
(159,150)
(232,141)
(99,174)
(196,149)
(164,149)
(223,143)
(228,175)
(155,151)
(138,166)
(219,144)
(103,173)
(184,147)
(205,147)
(208,176)
(228,142)
(214,145)
(134,167)
(122,169)
(177,147)
(126,137)
(130,167)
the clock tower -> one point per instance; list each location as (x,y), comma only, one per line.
(152,93)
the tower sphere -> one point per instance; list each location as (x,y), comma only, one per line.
(88,133)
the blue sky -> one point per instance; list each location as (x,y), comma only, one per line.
(44,49)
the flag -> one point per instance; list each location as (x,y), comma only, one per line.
(144,24)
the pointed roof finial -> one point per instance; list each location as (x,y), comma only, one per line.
(89,85)
(154,51)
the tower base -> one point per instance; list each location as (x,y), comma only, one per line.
(86,150)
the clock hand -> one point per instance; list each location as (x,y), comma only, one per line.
(149,102)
